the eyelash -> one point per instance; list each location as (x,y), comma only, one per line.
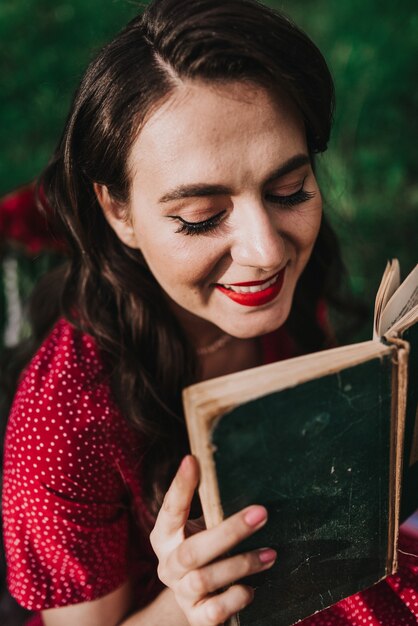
(295,198)
(197,228)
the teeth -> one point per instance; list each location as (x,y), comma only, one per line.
(253,288)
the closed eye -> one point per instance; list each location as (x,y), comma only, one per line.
(301,195)
(196,228)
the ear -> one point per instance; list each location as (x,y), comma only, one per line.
(116,216)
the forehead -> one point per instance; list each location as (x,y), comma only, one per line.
(211,128)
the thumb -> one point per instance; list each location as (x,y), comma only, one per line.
(175,509)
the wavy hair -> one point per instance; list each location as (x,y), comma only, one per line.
(106,288)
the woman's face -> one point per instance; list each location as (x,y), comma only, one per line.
(224,206)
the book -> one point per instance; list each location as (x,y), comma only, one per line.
(326,442)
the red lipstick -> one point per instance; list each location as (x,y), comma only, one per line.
(259,297)
(249,284)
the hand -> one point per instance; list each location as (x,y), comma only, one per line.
(190,565)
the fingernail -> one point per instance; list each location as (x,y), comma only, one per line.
(255,516)
(267,555)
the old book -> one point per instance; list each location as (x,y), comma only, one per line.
(318,440)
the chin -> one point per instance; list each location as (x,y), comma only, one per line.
(257,325)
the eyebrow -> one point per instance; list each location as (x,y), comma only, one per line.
(200,190)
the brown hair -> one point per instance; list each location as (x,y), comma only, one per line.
(107,288)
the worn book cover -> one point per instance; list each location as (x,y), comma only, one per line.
(319,441)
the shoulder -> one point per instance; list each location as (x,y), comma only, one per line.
(66,501)
(67,363)
(63,420)
(66,374)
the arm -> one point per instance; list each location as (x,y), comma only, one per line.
(163,610)
(112,609)
(191,567)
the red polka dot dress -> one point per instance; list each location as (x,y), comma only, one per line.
(75,525)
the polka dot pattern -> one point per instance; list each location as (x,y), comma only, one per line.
(74,520)
(72,493)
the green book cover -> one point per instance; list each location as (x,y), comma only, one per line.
(326,442)
(318,457)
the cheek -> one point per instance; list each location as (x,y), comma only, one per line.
(302,226)
(183,260)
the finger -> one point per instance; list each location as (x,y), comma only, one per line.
(217,609)
(175,509)
(200,582)
(204,547)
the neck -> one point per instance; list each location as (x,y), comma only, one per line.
(217,352)
(214,346)
(236,355)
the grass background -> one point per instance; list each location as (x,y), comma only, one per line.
(369,174)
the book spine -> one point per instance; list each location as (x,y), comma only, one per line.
(399,398)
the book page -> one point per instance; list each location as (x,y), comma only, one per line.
(388,285)
(400,304)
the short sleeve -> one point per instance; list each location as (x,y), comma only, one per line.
(65,506)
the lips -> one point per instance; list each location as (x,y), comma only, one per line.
(254,293)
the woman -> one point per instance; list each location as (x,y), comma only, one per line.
(184,184)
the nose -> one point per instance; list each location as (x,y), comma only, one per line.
(256,239)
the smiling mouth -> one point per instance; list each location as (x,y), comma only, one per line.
(253,287)
(256,293)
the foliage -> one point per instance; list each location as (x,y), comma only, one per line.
(370,172)
(45,48)
(369,175)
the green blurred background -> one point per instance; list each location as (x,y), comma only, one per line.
(368,176)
